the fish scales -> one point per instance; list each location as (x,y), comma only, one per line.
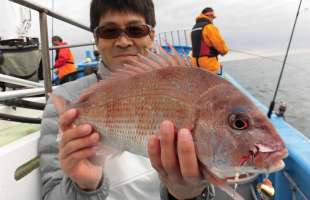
(133,110)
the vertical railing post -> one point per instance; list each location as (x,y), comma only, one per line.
(45,53)
(172,39)
(160,42)
(185,36)
(179,39)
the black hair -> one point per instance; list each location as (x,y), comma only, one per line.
(57,38)
(144,8)
(207,9)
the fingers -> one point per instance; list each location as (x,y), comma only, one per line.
(174,155)
(80,144)
(66,119)
(187,156)
(75,133)
(72,160)
(77,142)
(168,149)
(154,153)
(162,151)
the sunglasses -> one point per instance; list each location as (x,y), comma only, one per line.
(133,31)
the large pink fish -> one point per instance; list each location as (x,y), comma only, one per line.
(232,136)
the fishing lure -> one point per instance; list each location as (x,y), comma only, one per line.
(265,189)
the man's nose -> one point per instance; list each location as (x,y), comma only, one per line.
(123,41)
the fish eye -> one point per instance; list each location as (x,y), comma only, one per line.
(239,121)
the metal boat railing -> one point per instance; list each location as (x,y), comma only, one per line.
(294,187)
(72,46)
(22,93)
(37,88)
(176,38)
(43,13)
(48,12)
(19,81)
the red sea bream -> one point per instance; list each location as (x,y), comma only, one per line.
(231,134)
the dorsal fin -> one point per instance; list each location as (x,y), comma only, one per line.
(152,61)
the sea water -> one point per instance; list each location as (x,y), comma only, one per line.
(259,76)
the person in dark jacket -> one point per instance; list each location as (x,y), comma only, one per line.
(207,42)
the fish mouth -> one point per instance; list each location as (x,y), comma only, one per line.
(269,160)
(277,166)
(276,156)
(264,159)
(265,156)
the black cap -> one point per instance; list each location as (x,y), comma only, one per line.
(207,9)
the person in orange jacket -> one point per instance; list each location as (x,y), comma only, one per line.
(207,42)
(64,61)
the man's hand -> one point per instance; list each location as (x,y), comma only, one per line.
(173,156)
(77,145)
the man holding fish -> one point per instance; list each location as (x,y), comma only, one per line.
(112,125)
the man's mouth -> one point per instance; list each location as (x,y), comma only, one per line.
(124,55)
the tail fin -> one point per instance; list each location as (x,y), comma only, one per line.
(59,102)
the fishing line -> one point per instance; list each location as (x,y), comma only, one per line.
(258,56)
(272,103)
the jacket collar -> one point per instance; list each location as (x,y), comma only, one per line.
(103,71)
(202,16)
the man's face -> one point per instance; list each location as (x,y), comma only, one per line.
(55,42)
(210,15)
(119,51)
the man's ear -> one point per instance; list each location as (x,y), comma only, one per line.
(96,39)
(152,35)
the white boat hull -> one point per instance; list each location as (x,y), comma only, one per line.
(13,156)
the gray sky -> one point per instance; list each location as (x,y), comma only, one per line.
(245,24)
